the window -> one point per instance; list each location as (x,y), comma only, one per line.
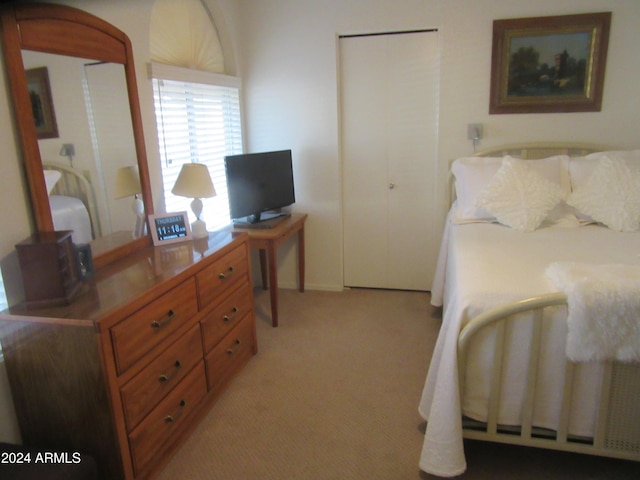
(198,118)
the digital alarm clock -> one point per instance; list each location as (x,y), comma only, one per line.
(169,228)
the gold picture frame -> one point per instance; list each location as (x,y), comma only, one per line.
(44,114)
(549,64)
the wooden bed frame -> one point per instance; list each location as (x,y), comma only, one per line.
(74,184)
(617,428)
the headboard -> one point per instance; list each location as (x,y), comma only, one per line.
(542,150)
(74,184)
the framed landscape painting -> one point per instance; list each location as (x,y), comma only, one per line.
(549,64)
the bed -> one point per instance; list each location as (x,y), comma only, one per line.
(72,202)
(506,280)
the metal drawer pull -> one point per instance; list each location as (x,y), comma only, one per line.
(165,378)
(164,321)
(179,411)
(234,312)
(235,347)
(227,274)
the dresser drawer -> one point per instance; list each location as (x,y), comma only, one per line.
(226,316)
(221,275)
(139,333)
(146,389)
(230,354)
(150,438)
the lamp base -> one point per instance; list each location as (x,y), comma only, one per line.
(138,210)
(199,229)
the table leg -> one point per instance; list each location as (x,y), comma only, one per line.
(273,282)
(263,269)
(301,265)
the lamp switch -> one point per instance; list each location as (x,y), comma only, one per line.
(474,131)
(68,150)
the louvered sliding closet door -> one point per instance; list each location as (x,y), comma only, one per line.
(389,113)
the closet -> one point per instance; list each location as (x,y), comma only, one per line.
(389,123)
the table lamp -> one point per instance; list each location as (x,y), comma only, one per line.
(127,185)
(195,182)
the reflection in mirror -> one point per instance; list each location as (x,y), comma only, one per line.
(72,32)
(95,140)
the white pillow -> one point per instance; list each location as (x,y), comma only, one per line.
(520,197)
(580,169)
(611,195)
(51,177)
(473,174)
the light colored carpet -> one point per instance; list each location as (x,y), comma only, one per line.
(332,393)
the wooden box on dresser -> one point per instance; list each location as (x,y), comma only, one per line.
(127,370)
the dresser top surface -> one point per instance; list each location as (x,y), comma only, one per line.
(145,273)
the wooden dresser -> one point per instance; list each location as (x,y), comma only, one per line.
(128,369)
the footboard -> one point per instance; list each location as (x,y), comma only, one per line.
(617,424)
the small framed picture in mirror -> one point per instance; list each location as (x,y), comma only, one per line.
(44,115)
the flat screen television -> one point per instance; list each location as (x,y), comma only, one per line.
(257,184)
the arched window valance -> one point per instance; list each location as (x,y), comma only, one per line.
(183,34)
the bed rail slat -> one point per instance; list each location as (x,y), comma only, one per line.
(565,409)
(496,378)
(599,438)
(534,359)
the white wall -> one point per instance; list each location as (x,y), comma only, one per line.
(289,67)
(286,51)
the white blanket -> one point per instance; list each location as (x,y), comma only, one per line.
(484,265)
(604,310)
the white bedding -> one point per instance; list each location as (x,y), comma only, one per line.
(603,310)
(482,265)
(69,213)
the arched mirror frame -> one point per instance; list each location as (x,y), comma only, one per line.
(67,31)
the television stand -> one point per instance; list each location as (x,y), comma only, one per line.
(267,242)
(261,221)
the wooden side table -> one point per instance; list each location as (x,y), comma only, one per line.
(267,240)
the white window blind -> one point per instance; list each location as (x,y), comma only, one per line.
(198,121)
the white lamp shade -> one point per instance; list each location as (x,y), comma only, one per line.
(127,182)
(194,181)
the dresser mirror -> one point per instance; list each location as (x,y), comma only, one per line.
(72,81)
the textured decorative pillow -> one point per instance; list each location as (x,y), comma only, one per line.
(473,174)
(627,155)
(520,197)
(581,168)
(611,195)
